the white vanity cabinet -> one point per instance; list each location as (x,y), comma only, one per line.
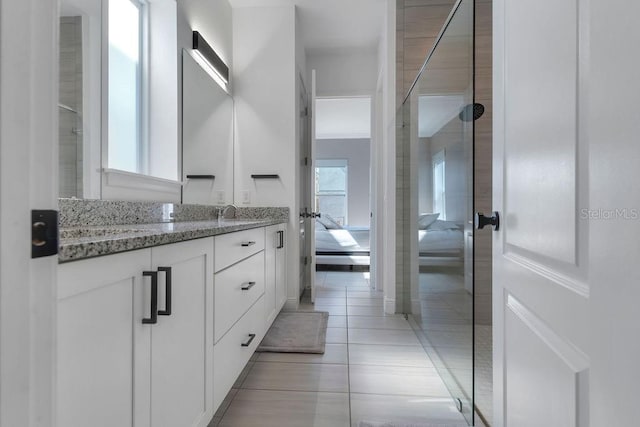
(275,294)
(118,364)
(115,370)
(239,305)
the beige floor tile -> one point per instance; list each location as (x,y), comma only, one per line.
(367,302)
(331,300)
(297,376)
(253,408)
(383,336)
(225,403)
(388,355)
(404,409)
(330,293)
(352,293)
(337,322)
(378,322)
(334,310)
(365,311)
(243,374)
(333,353)
(337,335)
(395,380)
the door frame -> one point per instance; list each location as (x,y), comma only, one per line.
(28,180)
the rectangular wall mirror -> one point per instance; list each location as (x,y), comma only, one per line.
(118,100)
(207,136)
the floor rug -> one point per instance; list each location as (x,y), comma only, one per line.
(296,332)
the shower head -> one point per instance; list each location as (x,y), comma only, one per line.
(471,112)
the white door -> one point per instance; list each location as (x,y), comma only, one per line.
(28,180)
(312,188)
(566,156)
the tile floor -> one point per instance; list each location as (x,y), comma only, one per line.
(374,369)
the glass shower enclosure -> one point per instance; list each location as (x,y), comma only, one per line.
(437,137)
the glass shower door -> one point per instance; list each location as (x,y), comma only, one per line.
(438,134)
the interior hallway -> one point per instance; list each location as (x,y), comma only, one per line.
(374,369)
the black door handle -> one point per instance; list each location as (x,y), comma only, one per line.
(481,221)
(248,342)
(168,291)
(154,298)
(247,244)
(247,286)
(281,240)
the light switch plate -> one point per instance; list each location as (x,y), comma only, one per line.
(246,197)
(220,197)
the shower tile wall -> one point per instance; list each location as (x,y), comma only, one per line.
(418,23)
(70,138)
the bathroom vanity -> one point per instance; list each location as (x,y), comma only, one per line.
(156,321)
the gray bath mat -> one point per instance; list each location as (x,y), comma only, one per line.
(401,424)
(296,332)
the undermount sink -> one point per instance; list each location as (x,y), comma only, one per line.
(78,233)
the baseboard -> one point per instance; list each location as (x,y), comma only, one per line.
(291,304)
(389,305)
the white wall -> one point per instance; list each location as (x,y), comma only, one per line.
(264,71)
(345,72)
(386,206)
(357,154)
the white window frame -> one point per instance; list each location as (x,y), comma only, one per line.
(436,160)
(324,163)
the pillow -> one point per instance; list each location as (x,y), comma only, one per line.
(320,226)
(328,222)
(443,225)
(426,219)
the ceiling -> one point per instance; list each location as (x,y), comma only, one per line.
(343,118)
(435,111)
(333,24)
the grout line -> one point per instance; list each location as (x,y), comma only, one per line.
(346,296)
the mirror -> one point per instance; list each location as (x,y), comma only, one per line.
(207,136)
(118,99)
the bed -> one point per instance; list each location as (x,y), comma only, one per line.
(438,241)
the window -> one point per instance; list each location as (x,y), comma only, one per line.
(331,189)
(439,205)
(127,146)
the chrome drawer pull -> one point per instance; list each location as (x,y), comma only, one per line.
(245,244)
(247,286)
(248,342)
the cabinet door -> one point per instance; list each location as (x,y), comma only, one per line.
(103,349)
(181,343)
(270,297)
(281,268)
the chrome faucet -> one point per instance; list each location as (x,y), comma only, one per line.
(226,212)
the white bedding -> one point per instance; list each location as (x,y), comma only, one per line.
(440,242)
(342,240)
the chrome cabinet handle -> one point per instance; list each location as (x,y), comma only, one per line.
(247,343)
(154,298)
(245,244)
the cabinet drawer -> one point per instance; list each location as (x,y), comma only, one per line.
(236,289)
(233,247)
(229,354)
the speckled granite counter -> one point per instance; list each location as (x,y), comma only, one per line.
(91,228)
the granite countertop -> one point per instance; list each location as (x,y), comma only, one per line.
(82,242)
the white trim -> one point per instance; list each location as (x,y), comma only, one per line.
(291,304)
(122,185)
(389,305)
